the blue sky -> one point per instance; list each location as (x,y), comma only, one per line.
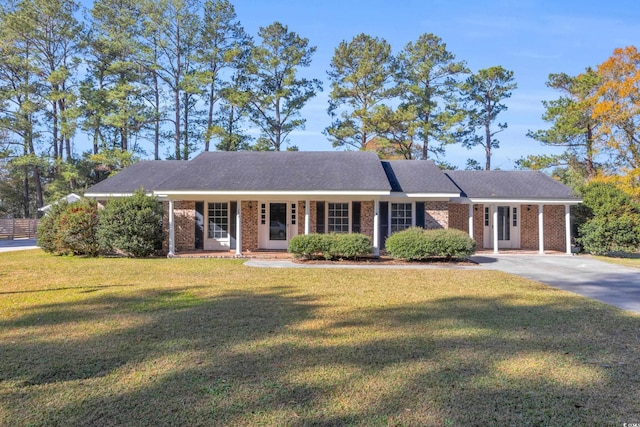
(532,38)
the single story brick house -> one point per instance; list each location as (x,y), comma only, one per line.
(249,201)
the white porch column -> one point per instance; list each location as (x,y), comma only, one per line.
(495,228)
(307,217)
(541,229)
(567,224)
(239,229)
(376,228)
(471,220)
(172,233)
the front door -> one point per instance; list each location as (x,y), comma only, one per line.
(278,225)
(507,224)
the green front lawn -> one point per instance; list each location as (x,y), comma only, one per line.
(633,260)
(212,342)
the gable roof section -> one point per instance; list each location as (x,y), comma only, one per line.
(514,185)
(146,174)
(418,177)
(272,172)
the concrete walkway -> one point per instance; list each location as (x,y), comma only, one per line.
(583,275)
(18,245)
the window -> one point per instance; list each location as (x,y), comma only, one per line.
(218,221)
(400,216)
(515,217)
(486,217)
(338,218)
(293,214)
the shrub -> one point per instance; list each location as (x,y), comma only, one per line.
(610,235)
(48,237)
(307,246)
(349,245)
(131,225)
(610,221)
(414,244)
(70,229)
(330,246)
(77,228)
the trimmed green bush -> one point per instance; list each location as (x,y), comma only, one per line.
(48,237)
(416,244)
(330,246)
(611,235)
(611,221)
(349,246)
(307,246)
(77,228)
(70,229)
(131,225)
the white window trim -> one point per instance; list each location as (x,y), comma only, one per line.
(326,214)
(219,239)
(390,210)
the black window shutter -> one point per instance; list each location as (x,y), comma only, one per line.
(320,227)
(355,217)
(199,225)
(420,214)
(384,222)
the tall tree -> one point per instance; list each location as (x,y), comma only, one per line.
(278,93)
(55,35)
(228,123)
(482,95)
(572,124)
(115,109)
(616,105)
(361,74)
(171,28)
(22,101)
(222,41)
(428,76)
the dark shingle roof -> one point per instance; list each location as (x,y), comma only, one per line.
(417,176)
(146,174)
(509,185)
(280,171)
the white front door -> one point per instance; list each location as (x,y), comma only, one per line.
(277,224)
(508,225)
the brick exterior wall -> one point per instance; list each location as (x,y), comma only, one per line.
(554,228)
(459,219)
(184,217)
(367,212)
(529,227)
(436,215)
(312,215)
(250,214)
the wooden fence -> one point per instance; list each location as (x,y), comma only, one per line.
(13,228)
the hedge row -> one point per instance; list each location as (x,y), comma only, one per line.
(415,244)
(330,246)
(130,226)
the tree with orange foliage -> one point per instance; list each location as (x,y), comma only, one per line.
(616,105)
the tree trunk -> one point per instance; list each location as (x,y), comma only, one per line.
(185,146)
(278,127)
(176,102)
(25,192)
(207,134)
(487,148)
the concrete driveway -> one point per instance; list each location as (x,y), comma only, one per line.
(583,275)
(18,245)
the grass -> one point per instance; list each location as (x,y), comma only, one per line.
(211,342)
(630,260)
